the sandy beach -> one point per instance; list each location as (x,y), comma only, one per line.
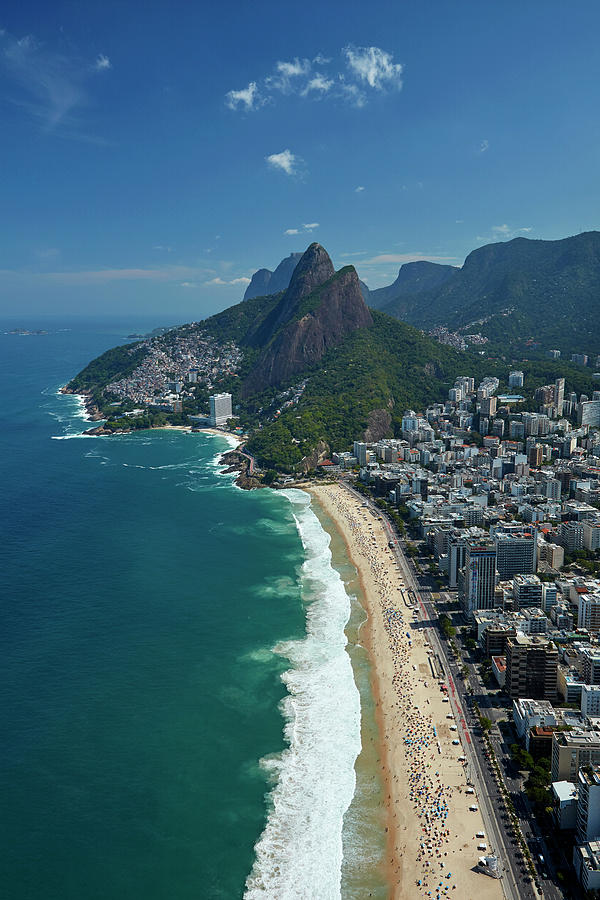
(432,842)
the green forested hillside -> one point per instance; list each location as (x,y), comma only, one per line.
(548,291)
(115,363)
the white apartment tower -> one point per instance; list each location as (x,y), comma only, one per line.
(220,409)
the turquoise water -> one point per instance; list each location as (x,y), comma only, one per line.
(149,612)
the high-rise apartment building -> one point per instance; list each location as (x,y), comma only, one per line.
(477,581)
(360,452)
(588,803)
(590,665)
(515,379)
(527,591)
(531,668)
(589,612)
(220,409)
(571,750)
(515,554)
(570,535)
(559,395)
(589,413)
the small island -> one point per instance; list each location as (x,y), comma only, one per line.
(26,331)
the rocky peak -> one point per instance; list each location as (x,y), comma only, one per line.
(319,309)
(313,269)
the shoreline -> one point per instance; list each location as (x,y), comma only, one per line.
(431,836)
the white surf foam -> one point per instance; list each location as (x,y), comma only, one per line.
(299,854)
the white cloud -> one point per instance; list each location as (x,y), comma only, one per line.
(307,227)
(352,93)
(374,66)
(102,63)
(484,145)
(51,86)
(319,84)
(359,189)
(363,69)
(291,69)
(286,74)
(248,98)
(220,281)
(286,161)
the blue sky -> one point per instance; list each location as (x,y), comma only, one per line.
(154,155)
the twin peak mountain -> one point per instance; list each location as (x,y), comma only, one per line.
(315,313)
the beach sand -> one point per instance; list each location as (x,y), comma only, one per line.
(432,848)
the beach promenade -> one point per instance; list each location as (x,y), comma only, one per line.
(433,813)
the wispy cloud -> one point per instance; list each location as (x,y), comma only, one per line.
(374,66)
(484,146)
(102,62)
(286,161)
(48,253)
(359,189)
(51,86)
(306,228)
(286,73)
(319,85)
(248,98)
(359,70)
(221,282)
(504,231)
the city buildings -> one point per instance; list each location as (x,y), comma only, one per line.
(515,553)
(571,750)
(477,580)
(220,409)
(531,668)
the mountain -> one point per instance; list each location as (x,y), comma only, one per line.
(319,308)
(413,278)
(314,365)
(266,282)
(548,291)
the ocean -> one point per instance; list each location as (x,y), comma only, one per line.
(183,715)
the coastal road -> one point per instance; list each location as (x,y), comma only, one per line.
(512,881)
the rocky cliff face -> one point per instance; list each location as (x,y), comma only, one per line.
(413,278)
(317,311)
(266,282)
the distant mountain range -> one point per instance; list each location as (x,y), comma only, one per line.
(266,282)
(319,368)
(517,291)
(413,278)
(510,292)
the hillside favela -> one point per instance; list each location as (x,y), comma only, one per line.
(301,433)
